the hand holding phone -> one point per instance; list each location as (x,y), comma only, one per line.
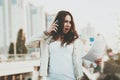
(56,24)
(53,28)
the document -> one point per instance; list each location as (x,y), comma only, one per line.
(97,50)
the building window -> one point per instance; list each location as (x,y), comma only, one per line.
(14,1)
(1,2)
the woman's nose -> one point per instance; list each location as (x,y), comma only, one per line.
(68,24)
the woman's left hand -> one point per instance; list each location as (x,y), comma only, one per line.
(98,61)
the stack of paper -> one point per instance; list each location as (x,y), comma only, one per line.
(97,50)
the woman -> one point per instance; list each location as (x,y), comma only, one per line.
(61,49)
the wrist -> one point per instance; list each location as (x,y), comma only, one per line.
(46,33)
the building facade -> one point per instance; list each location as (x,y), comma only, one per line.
(14,15)
(11,19)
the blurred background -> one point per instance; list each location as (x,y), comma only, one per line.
(20,19)
(91,17)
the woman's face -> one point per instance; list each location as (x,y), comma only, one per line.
(67,24)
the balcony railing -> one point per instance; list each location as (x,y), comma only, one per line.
(19,64)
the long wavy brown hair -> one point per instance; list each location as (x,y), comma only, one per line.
(71,35)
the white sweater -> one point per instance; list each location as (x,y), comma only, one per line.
(61,61)
(78,53)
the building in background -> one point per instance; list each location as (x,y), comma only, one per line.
(49,19)
(14,16)
(11,19)
(35,19)
(87,32)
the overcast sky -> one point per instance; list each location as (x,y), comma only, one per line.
(104,15)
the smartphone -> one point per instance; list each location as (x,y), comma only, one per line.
(56,22)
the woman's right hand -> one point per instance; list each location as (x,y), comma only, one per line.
(52,28)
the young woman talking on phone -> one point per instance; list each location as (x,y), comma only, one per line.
(61,50)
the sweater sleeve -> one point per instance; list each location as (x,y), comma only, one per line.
(34,41)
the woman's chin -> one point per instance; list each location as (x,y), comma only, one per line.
(65,32)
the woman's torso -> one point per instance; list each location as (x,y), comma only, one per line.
(60,65)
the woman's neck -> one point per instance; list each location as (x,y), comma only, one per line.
(60,38)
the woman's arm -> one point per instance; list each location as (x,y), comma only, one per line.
(34,40)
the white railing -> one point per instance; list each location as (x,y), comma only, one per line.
(9,68)
(22,63)
(19,57)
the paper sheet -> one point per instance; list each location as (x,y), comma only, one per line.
(97,50)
